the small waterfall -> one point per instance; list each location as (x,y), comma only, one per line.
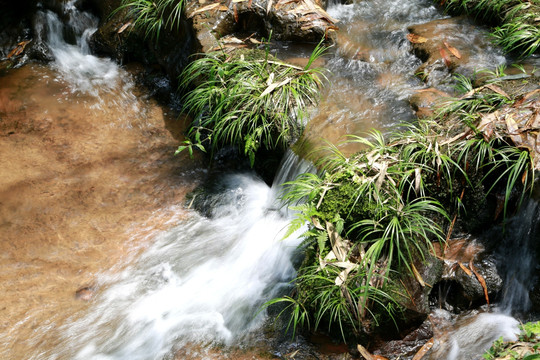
(472,335)
(201,282)
(517,258)
(84,72)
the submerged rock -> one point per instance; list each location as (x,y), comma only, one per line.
(452,45)
(424,101)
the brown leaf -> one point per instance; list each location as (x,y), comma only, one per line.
(311,17)
(18,49)
(445,57)
(418,276)
(223,8)
(123,28)
(235,13)
(498,90)
(269,6)
(453,50)
(464,268)
(416,39)
(423,350)
(481,280)
(367,355)
(205,8)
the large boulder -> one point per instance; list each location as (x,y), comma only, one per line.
(289,20)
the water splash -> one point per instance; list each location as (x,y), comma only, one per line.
(201,282)
(517,258)
(84,72)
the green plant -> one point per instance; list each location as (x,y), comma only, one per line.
(517,29)
(248,99)
(527,344)
(152,17)
(518,36)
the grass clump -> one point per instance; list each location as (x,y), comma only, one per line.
(373,217)
(517,28)
(248,99)
(527,346)
(152,17)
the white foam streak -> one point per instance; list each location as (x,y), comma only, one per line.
(202,282)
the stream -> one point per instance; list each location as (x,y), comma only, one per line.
(95,203)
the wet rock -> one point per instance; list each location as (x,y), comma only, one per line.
(465,268)
(424,101)
(409,345)
(297,20)
(414,296)
(85,293)
(452,45)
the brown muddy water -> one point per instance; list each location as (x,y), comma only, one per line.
(84,184)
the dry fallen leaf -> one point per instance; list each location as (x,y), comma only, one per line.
(464,268)
(498,90)
(445,57)
(366,354)
(205,8)
(453,50)
(274,86)
(423,350)
(418,276)
(481,280)
(123,28)
(416,39)
(269,6)
(18,49)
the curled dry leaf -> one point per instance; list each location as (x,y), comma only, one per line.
(453,50)
(18,49)
(445,57)
(416,39)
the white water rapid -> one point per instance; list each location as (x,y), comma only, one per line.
(202,282)
(84,72)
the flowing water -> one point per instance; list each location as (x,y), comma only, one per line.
(198,279)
